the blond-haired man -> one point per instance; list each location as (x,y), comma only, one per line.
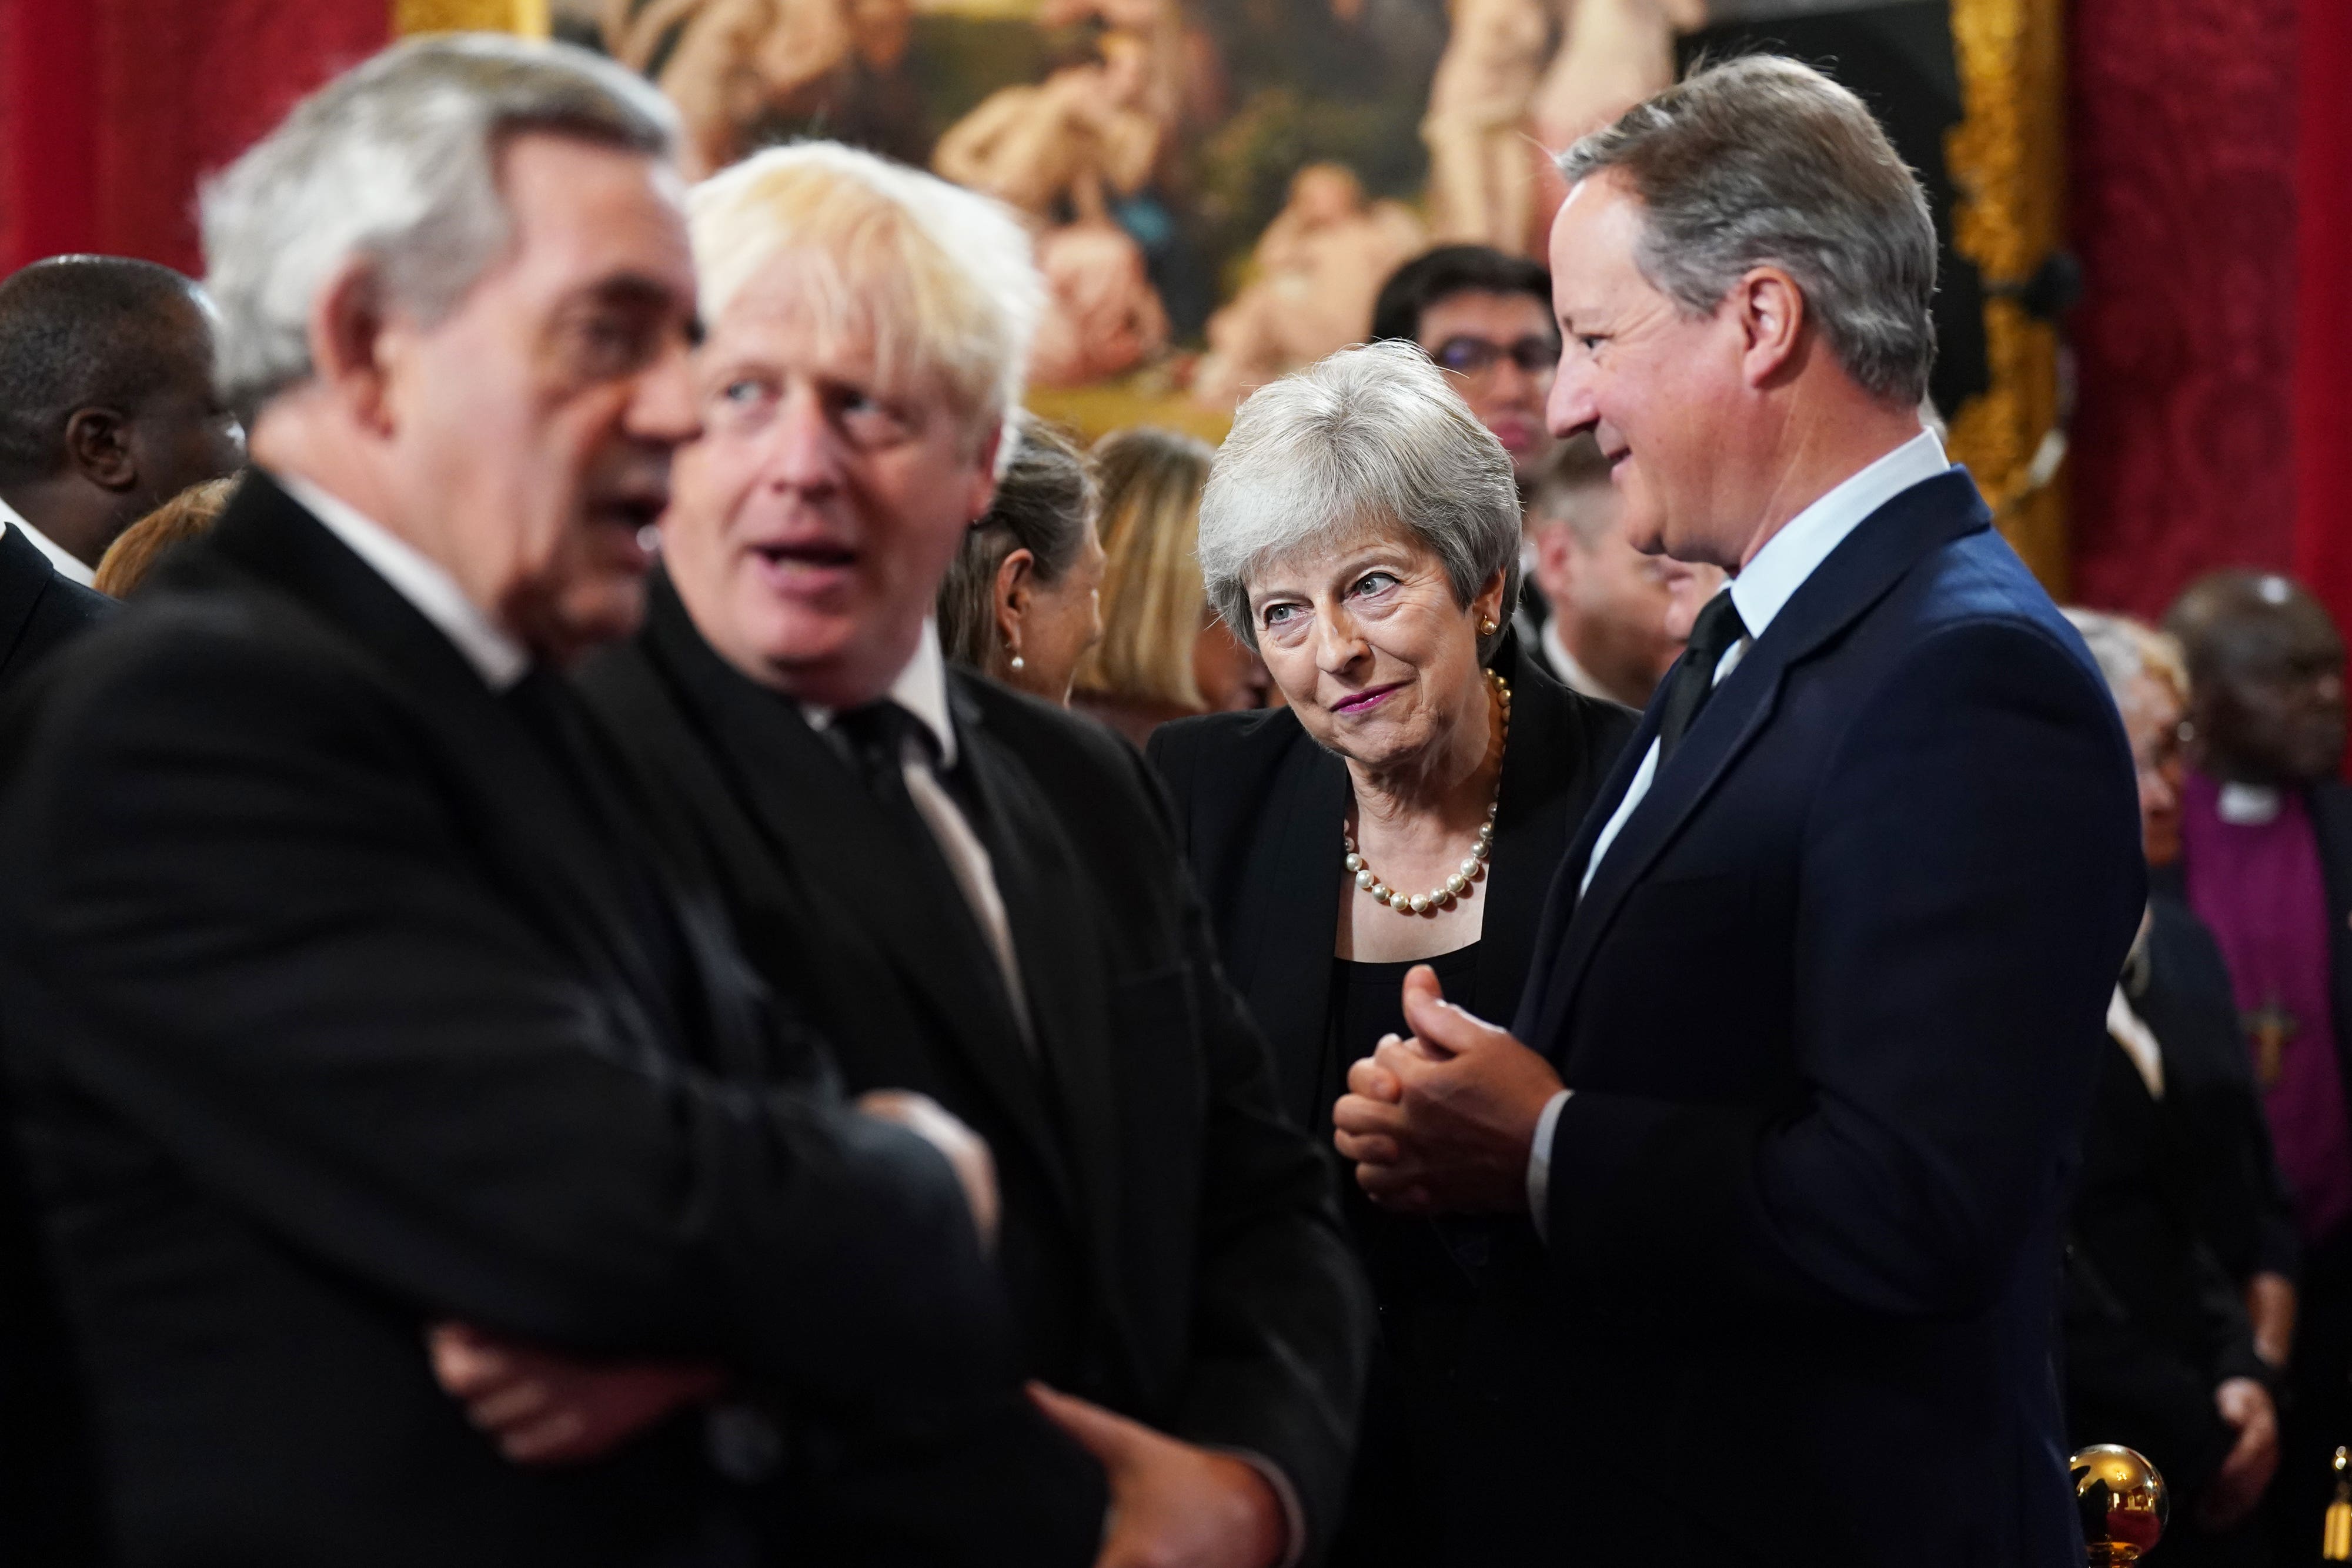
(977,894)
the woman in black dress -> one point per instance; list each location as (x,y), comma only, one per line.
(1409,806)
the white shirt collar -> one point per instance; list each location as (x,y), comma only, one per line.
(1573,675)
(68,565)
(1766,584)
(496,655)
(921,689)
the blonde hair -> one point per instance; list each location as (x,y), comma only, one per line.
(941,281)
(1152,596)
(137,548)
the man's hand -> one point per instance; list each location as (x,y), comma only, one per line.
(1171,1505)
(548,1409)
(1442,1124)
(2270,1305)
(965,1149)
(2235,1490)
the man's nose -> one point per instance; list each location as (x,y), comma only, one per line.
(1571,408)
(804,448)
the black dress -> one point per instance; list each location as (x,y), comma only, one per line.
(1458,1458)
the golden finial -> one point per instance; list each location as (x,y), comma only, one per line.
(2121,1500)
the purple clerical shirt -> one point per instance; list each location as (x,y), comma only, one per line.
(2257,880)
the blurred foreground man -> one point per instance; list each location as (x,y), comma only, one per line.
(2266,862)
(979,894)
(337,999)
(1812,1029)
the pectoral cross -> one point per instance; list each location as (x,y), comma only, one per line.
(2268,1030)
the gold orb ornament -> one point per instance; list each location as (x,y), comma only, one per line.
(2121,1500)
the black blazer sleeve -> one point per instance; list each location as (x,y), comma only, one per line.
(2244,1206)
(269,948)
(1282,1319)
(1963,878)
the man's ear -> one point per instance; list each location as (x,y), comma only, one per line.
(98,448)
(351,349)
(983,484)
(1772,320)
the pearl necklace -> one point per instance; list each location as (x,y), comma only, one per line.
(1474,865)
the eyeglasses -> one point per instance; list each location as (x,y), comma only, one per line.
(1536,356)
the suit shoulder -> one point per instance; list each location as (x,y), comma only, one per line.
(1046,737)
(1217,742)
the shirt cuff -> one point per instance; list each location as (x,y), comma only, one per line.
(1539,1164)
(1294,1515)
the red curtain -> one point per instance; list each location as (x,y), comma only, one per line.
(2322,379)
(2183,195)
(113,110)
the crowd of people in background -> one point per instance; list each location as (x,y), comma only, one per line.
(369,986)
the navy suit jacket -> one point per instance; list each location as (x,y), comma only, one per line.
(1833,1008)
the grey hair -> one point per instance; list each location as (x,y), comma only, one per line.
(1371,439)
(1764,160)
(2125,651)
(395,161)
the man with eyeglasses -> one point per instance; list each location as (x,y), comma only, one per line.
(1485,318)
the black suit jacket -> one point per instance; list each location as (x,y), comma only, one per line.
(40,607)
(1170,1242)
(1459,1445)
(45,1487)
(1831,1011)
(336,1006)
(2154,1323)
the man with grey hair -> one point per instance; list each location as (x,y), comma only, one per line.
(342,1005)
(1815,1014)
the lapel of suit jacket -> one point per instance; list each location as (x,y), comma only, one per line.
(1863,568)
(1063,963)
(25,574)
(537,833)
(1281,952)
(819,819)
(1532,832)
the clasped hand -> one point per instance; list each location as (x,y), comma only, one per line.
(1443,1123)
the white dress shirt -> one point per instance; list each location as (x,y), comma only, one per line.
(1764,586)
(921,689)
(68,565)
(497,656)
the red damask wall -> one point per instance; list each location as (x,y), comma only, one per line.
(2183,194)
(111,110)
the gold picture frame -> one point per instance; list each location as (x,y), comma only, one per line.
(2006,160)
(528,17)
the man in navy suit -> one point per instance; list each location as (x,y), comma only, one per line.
(1811,1031)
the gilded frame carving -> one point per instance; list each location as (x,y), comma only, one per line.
(2007,158)
(528,17)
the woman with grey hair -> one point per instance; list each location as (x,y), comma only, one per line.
(1361,529)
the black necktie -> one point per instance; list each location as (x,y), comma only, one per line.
(1713,635)
(880,737)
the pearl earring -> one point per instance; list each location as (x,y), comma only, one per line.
(1489,626)
(1019,663)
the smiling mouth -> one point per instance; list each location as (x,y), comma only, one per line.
(1363,700)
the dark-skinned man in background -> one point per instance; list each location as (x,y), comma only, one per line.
(2266,861)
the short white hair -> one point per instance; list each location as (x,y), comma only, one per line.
(1372,440)
(941,280)
(396,162)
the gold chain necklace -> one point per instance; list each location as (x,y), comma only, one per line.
(1474,865)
